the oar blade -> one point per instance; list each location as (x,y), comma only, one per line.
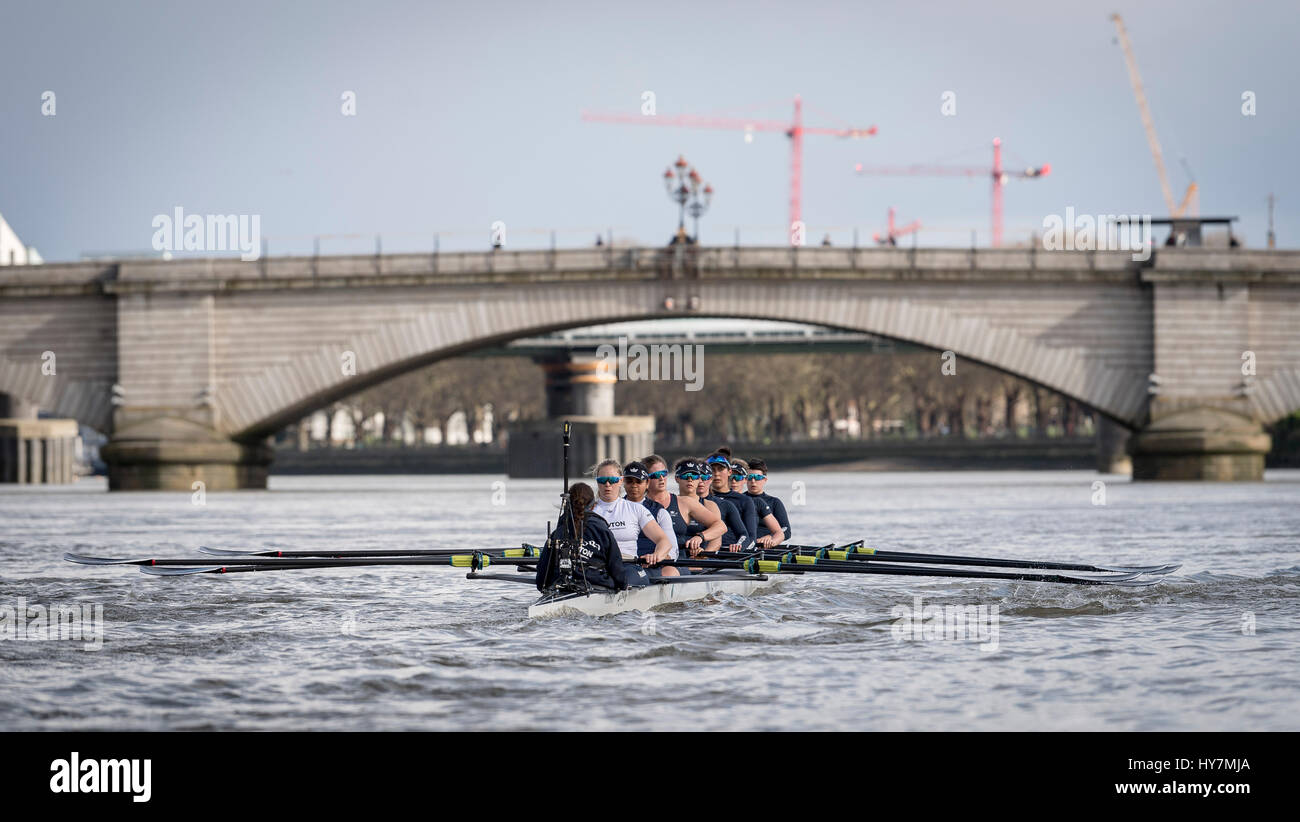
(1150,570)
(82,559)
(174,571)
(227,552)
(1127,583)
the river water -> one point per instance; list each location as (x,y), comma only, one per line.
(1215,646)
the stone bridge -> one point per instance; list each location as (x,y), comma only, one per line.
(190,364)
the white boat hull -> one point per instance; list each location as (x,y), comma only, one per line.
(652,596)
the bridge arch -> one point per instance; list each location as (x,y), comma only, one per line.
(1054,344)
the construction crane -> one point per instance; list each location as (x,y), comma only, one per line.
(795,130)
(1189,198)
(998,175)
(894,232)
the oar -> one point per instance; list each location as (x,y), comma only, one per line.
(802,561)
(460,560)
(386,552)
(172,569)
(238,568)
(223,569)
(764,566)
(858,551)
(176,571)
(183,567)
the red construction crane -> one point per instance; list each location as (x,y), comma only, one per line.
(795,130)
(894,232)
(997,173)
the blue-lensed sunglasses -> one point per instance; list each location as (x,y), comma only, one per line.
(658,475)
(607,480)
(757,477)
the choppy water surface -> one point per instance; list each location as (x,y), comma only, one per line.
(423,648)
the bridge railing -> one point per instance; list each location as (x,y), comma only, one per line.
(670,262)
(662,262)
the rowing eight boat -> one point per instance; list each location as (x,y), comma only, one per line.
(684,589)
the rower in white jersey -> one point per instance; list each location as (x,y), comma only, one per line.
(628,520)
(636,480)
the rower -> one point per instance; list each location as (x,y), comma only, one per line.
(737,536)
(589,533)
(627,520)
(691,476)
(719,464)
(685,510)
(635,479)
(757,478)
(766,519)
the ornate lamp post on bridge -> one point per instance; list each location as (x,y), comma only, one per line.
(684,187)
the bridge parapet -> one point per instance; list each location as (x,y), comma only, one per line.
(969,265)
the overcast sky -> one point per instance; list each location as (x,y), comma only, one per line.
(469,113)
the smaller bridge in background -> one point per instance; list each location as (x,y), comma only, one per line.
(722,336)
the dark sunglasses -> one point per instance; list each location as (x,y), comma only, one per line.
(738,477)
(607,480)
(758,477)
(658,475)
(690,477)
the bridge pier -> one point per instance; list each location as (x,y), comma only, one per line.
(579,384)
(167,432)
(1200,443)
(17,408)
(580,389)
(1112,447)
(38,452)
(536,446)
(152,451)
(1211,326)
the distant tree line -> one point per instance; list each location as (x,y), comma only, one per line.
(747,397)
(1286,442)
(788,397)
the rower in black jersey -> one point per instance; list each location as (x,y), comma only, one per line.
(685,509)
(719,465)
(767,521)
(757,480)
(731,507)
(692,481)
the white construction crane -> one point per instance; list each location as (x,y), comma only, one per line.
(1189,198)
